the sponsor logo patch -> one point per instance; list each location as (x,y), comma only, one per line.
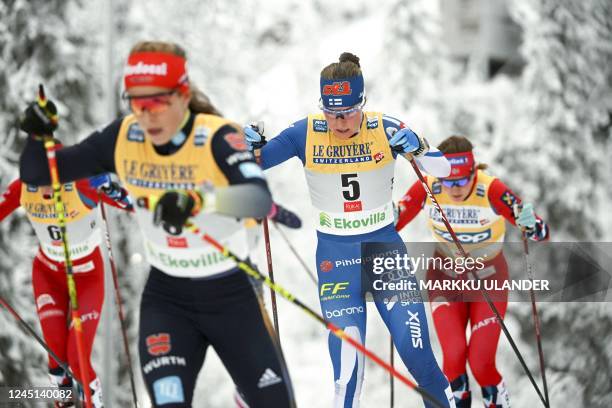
(268,378)
(200,136)
(326,266)
(350,206)
(135,133)
(177,242)
(337,89)
(250,170)
(236,141)
(158,344)
(319,125)
(372,123)
(509,199)
(168,390)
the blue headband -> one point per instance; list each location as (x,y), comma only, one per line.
(342,93)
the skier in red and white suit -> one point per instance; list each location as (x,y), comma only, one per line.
(477,206)
(48,273)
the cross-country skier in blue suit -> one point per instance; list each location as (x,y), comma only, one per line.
(348,156)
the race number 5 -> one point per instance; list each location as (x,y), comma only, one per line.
(350,186)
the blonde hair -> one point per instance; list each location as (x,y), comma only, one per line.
(199,102)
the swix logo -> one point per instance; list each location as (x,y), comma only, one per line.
(341,312)
(158,344)
(146,69)
(338,88)
(415,329)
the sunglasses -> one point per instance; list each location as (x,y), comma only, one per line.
(156,103)
(456,182)
(342,113)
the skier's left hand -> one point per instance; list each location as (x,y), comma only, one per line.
(526,217)
(174,208)
(281,215)
(406,141)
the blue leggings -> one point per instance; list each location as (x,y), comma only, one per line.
(339,272)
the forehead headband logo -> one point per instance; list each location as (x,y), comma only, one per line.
(462,164)
(342,93)
(160,69)
(337,88)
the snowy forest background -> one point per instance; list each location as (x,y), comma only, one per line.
(546,132)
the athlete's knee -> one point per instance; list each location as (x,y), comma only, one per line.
(484,370)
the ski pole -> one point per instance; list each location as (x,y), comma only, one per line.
(245,266)
(249,269)
(49,143)
(268,250)
(39,340)
(500,321)
(111,260)
(534,310)
(299,258)
(391,379)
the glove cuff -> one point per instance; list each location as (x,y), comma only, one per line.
(203,202)
(423,147)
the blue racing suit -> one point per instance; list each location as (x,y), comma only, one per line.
(350,183)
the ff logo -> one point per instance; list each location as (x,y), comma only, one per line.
(379,156)
(326,266)
(333,287)
(158,344)
(337,88)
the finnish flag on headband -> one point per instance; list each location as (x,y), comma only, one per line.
(342,93)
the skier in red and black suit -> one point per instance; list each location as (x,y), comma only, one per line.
(81,199)
(477,206)
(181,160)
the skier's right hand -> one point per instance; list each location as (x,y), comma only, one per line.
(174,208)
(253,135)
(38,121)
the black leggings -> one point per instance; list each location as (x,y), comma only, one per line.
(181,317)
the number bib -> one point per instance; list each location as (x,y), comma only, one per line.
(81,222)
(350,181)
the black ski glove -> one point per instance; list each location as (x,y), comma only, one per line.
(39,121)
(174,208)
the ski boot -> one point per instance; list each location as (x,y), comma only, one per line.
(461,391)
(496,396)
(62,381)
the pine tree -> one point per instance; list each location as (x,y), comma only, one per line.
(38,45)
(562,158)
